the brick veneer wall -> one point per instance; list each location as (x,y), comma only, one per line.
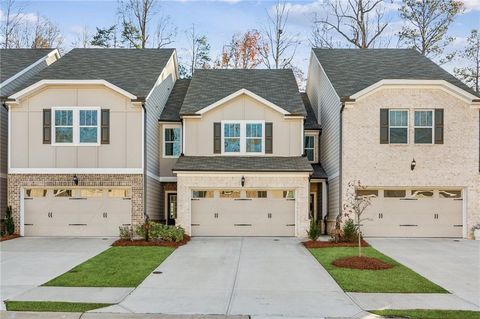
(18,181)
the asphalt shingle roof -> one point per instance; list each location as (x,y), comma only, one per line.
(210,86)
(13,61)
(171,111)
(134,70)
(352,70)
(243,164)
(318,172)
(311,122)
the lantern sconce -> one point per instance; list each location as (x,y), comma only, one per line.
(75,179)
(243,181)
(413,164)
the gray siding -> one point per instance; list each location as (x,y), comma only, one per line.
(154,192)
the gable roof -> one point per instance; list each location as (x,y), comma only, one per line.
(311,122)
(171,111)
(352,70)
(210,86)
(133,70)
(13,61)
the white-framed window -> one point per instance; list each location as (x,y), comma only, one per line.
(309,147)
(76,126)
(398,127)
(243,137)
(423,127)
(172,141)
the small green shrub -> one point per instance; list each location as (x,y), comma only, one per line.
(314,231)
(350,232)
(9,223)
(158,231)
(126,232)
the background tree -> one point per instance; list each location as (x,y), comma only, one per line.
(199,51)
(165,33)
(359,22)
(426,25)
(243,51)
(321,36)
(136,16)
(13,18)
(105,38)
(280,47)
(470,74)
(46,34)
(82,38)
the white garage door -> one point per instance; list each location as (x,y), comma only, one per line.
(76,211)
(243,213)
(413,213)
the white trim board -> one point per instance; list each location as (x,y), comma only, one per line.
(75,171)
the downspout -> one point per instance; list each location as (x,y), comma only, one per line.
(147,218)
(340,188)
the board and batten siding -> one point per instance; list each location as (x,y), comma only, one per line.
(154,106)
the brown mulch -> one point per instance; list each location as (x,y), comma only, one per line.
(356,262)
(8,237)
(323,244)
(141,242)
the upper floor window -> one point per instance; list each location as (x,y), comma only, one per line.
(243,137)
(309,146)
(398,127)
(172,141)
(424,127)
(76,126)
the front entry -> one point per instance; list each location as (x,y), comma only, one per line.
(171,208)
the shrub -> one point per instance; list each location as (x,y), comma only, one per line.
(350,232)
(126,232)
(315,230)
(9,224)
(158,231)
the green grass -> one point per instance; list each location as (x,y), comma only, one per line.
(399,279)
(428,314)
(52,306)
(115,267)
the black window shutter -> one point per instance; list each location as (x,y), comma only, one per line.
(268,138)
(438,126)
(383,126)
(217,138)
(105,127)
(47,126)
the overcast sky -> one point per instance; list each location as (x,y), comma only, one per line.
(220,19)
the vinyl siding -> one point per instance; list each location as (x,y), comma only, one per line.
(10,87)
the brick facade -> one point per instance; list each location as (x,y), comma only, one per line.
(18,181)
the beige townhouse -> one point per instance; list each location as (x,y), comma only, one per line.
(404,128)
(83,142)
(16,67)
(240,155)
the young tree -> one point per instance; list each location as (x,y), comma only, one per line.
(12,22)
(243,51)
(105,38)
(280,47)
(427,23)
(470,74)
(136,16)
(359,22)
(165,33)
(199,50)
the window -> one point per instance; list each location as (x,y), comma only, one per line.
(35,192)
(119,193)
(254,138)
(450,194)
(309,145)
(243,137)
(202,194)
(231,137)
(256,194)
(423,127)
(62,192)
(398,127)
(394,193)
(76,126)
(229,194)
(289,194)
(422,194)
(86,192)
(367,192)
(172,141)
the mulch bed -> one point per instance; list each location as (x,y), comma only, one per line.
(8,237)
(323,244)
(141,242)
(356,262)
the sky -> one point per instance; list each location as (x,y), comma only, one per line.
(220,19)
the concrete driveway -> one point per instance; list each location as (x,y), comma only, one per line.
(261,277)
(452,264)
(28,262)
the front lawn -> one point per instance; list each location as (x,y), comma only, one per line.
(399,279)
(115,267)
(52,306)
(428,314)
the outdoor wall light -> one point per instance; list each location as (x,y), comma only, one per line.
(413,164)
(243,181)
(75,179)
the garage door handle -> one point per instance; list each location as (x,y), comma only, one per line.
(408,225)
(289,225)
(50,214)
(105,215)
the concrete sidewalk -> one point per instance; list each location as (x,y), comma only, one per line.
(75,294)
(380,301)
(78,315)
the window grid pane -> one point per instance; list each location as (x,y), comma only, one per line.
(309,147)
(88,126)
(172,141)
(398,130)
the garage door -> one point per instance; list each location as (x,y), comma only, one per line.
(243,213)
(76,211)
(413,213)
